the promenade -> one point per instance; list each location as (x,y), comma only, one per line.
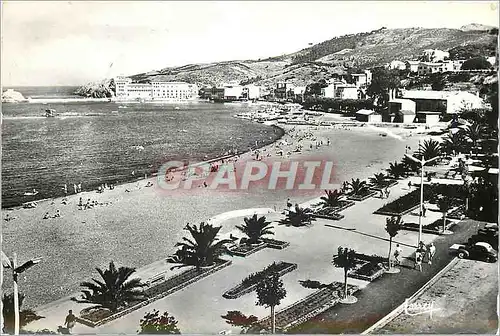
(199,306)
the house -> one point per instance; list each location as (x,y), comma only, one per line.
(396,65)
(428,117)
(297,92)
(368,116)
(362,79)
(281,90)
(346,91)
(427,68)
(435,55)
(398,104)
(233,92)
(412,66)
(340,90)
(449,102)
(457,64)
(155,90)
(251,92)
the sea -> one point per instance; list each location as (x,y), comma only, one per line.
(94,143)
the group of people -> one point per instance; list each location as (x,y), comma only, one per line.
(89,204)
(76,188)
(104,186)
(424,253)
(56,215)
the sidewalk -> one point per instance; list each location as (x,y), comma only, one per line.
(382,296)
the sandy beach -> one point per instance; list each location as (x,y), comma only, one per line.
(140,227)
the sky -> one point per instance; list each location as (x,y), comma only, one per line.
(74,42)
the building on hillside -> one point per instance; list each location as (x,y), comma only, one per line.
(251,92)
(155,90)
(362,79)
(412,66)
(449,102)
(428,117)
(427,68)
(346,91)
(233,92)
(492,60)
(396,65)
(402,110)
(457,64)
(297,92)
(340,90)
(368,116)
(281,90)
(435,55)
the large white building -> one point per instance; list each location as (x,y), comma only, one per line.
(154,91)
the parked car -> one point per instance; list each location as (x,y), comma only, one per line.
(478,251)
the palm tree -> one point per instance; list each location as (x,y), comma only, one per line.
(392,227)
(255,228)
(378,180)
(454,143)
(270,292)
(429,149)
(410,165)
(445,203)
(474,133)
(345,259)
(332,198)
(395,170)
(25,316)
(203,251)
(299,217)
(358,187)
(114,291)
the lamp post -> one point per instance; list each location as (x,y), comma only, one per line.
(422,163)
(16,270)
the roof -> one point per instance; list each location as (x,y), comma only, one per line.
(400,100)
(407,112)
(413,62)
(365,112)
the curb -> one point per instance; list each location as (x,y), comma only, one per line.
(389,317)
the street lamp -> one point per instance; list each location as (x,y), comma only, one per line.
(16,270)
(422,163)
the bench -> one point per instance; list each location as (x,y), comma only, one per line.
(151,281)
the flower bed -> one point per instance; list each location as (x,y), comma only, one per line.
(344,204)
(309,307)
(275,244)
(402,205)
(157,292)
(458,213)
(433,228)
(390,183)
(328,213)
(249,284)
(362,196)
(243,250)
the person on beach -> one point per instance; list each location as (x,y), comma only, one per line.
(70,320)
(75,188)
(424,210)
(288,204)
(80,203)
(46,216)
(431,251)
(409,185)
(58,214)
(80,187)
(65,189)
(397,254)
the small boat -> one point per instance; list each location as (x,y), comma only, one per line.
(177,108)
(50,113)
(33,193)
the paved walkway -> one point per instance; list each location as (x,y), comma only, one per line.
(380,297)
(199,306)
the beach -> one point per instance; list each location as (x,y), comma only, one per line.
(141,226)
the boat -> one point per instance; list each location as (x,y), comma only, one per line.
(50,113)
(32,193)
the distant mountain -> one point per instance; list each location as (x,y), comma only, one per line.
(335,56)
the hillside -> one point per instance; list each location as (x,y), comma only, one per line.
(335,56)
